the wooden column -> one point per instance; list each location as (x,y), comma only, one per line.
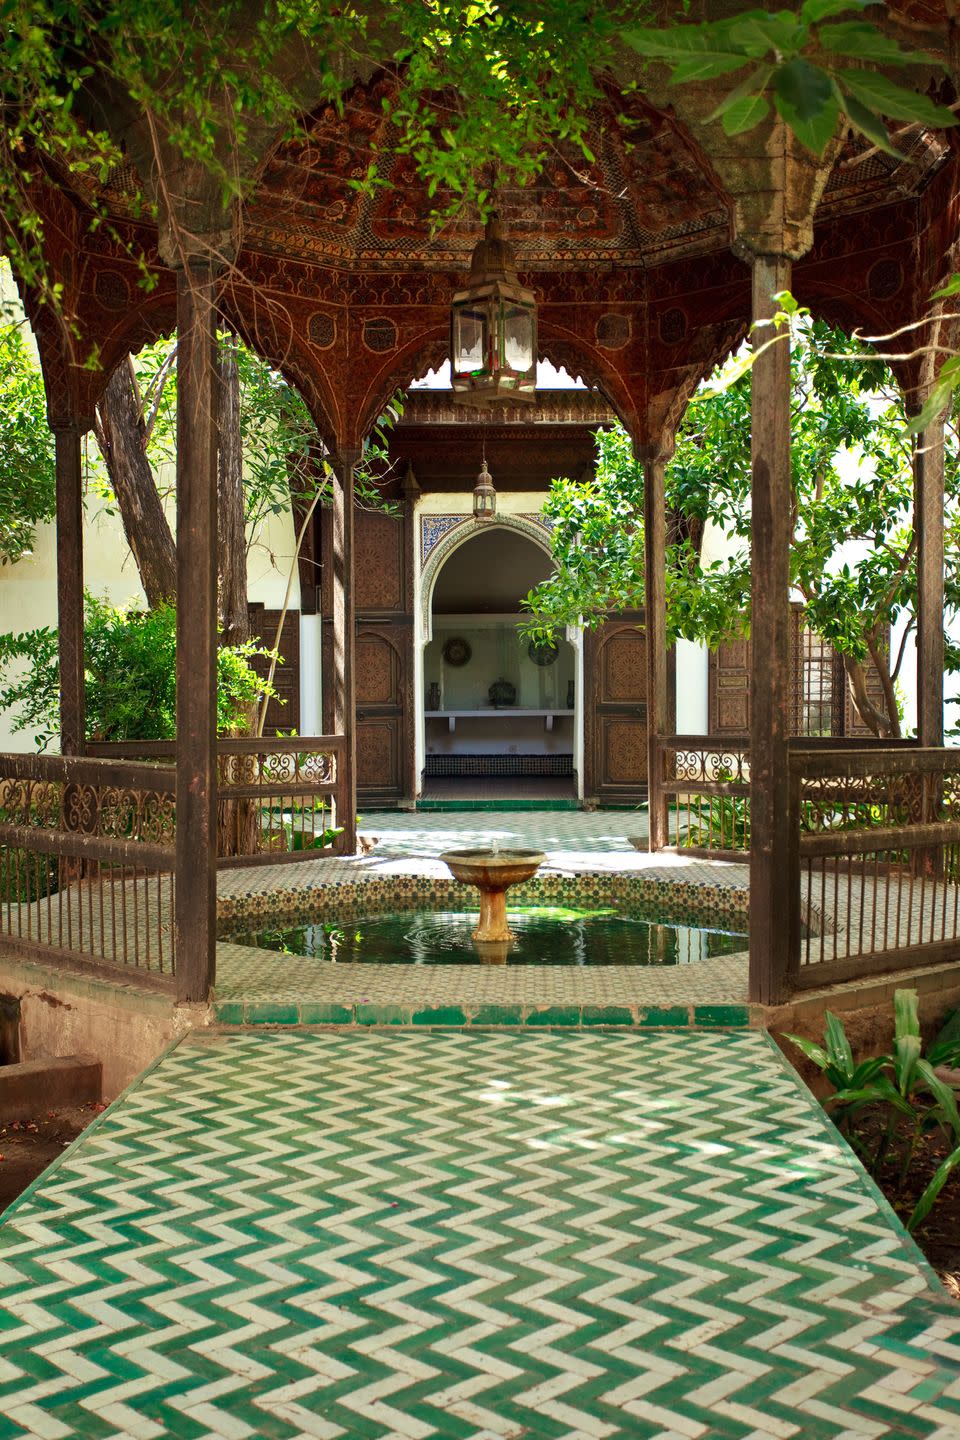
(654,560)
(345,640)
(67,439)
(770,832)
(196,875)
(928,524)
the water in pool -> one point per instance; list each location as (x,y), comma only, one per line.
(544,935)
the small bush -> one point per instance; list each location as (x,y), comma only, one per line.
(130,668)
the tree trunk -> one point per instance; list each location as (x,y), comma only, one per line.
(234,615)
(885,726)
(122,439)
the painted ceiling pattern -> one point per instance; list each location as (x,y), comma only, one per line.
(647,197)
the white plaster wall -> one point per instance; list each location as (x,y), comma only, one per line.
(692,672)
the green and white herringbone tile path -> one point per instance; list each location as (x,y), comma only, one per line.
(487,1235)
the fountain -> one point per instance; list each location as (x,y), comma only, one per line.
(493,871)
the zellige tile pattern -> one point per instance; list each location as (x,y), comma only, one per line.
(563,1235)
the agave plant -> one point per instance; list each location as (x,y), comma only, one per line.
(904,1082)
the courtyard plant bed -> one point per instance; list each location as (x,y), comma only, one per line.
(899,1113)
(27,1147)
(939,1235)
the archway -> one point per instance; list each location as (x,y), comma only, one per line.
(499,714)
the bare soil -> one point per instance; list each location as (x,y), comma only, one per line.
(27,1147)
(939,1235)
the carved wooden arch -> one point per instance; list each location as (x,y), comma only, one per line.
(157,317)
(426,352)
(430,349)
(530,528)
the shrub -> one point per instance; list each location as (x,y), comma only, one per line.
(130,668)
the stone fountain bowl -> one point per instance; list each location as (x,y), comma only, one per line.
(493,869)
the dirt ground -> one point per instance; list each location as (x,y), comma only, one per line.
(939,1235)
(27,1147)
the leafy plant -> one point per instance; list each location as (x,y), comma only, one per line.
(27,477)
(130,671)
(806,64)
(853,482)
(902,1083)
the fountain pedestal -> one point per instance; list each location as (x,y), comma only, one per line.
(492,872)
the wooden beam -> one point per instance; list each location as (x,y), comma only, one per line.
(928,523)
(654,553)
(771,888)
(69,474)
(195,911)
(345,640)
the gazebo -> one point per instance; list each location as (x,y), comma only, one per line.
(649,264)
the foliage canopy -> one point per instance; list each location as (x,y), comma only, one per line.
(853,554)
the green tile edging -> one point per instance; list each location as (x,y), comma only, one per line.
(479,1015)
(867,1184)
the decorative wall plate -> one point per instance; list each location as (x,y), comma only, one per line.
(457,651)
(543,654)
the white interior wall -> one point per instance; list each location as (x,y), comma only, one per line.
(692,673)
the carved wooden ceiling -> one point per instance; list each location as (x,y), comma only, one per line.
(649,196)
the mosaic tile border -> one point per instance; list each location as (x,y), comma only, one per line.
(682,902)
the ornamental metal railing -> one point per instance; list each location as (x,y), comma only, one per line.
(279,799)
(875,861)
(87,863)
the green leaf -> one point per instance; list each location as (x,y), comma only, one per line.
(863,41)
(817,130)
(942,1093)
(882,96)
(926,1202)
(804,87)
(760,33)
(678,41)
(838,1046)
(811,1049)
(906,1013)
(805,99)
(940,397)
(745,114)
(705,67)
(813,11)
(952,287)
(869,125)
(750,87)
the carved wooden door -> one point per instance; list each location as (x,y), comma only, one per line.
(615,745)
(383,657)
(380,713)
(729,688)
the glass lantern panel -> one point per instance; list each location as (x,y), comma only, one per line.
(469,341)
(517,337)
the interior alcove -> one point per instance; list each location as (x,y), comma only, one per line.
(476,642)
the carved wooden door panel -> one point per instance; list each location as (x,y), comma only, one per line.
(381,719)
(383,660)
(729,688)
(616,712)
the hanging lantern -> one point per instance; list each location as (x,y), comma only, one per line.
(493,328)
(484,496)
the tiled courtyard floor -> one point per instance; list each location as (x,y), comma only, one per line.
(496,1236)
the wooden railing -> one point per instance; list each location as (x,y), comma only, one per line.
(875,861)
(279,799)
(87,862)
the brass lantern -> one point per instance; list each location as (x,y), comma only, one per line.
(493,328)
(484,496)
